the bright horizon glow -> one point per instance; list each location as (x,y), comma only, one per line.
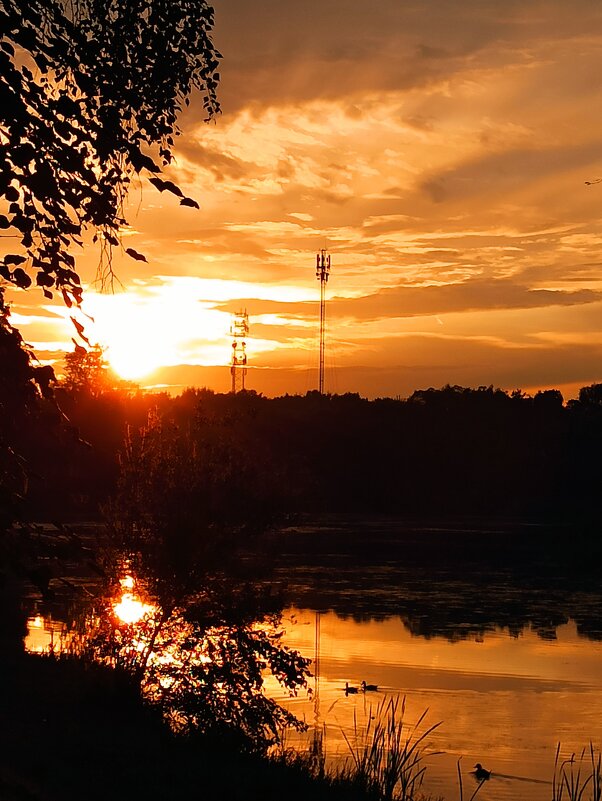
(168,321)
(141,330)
(439,152)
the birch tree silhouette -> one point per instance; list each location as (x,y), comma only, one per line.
(90,92)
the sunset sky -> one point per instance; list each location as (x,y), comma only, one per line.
(439,150)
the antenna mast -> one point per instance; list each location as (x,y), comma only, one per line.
(322,273)
(239,330)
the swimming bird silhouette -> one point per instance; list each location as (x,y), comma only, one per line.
(350,690)
(480,773)
(369,688)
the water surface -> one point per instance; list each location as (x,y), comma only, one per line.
(506,656)
(494,631)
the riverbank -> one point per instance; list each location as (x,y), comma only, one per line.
(71,730)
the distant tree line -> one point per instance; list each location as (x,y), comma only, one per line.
(448,451)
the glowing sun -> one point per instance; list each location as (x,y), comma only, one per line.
(151,327)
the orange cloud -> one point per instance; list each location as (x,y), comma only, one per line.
(439,151)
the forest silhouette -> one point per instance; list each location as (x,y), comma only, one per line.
(448,451)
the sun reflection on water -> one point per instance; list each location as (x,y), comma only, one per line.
(130,609)
(46,635)
(170,653)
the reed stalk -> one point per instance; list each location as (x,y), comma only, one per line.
(386,758)
(596,760)
(461,788)
(573,776)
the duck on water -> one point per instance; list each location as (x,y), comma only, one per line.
(480,773)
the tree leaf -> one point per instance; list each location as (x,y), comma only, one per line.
(188,201)
(135,255)
(80,330)
(166,185)
(14,259)
(11,194)
(21,278)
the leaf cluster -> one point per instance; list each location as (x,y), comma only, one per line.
(203,663)
(90,92)
(212,681)
(86,371)
(23,384)
(190,497)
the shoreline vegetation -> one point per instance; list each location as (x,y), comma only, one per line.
(73,729)
(190,489)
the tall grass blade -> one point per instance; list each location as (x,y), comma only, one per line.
(572,777)
(387,756)
(596,773)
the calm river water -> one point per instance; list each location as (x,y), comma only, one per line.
(494,632)
(506,654)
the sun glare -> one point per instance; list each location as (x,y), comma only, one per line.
(130,609)
(131,361)
(144,329)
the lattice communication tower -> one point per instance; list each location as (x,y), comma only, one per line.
(322,273)
(239,330)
